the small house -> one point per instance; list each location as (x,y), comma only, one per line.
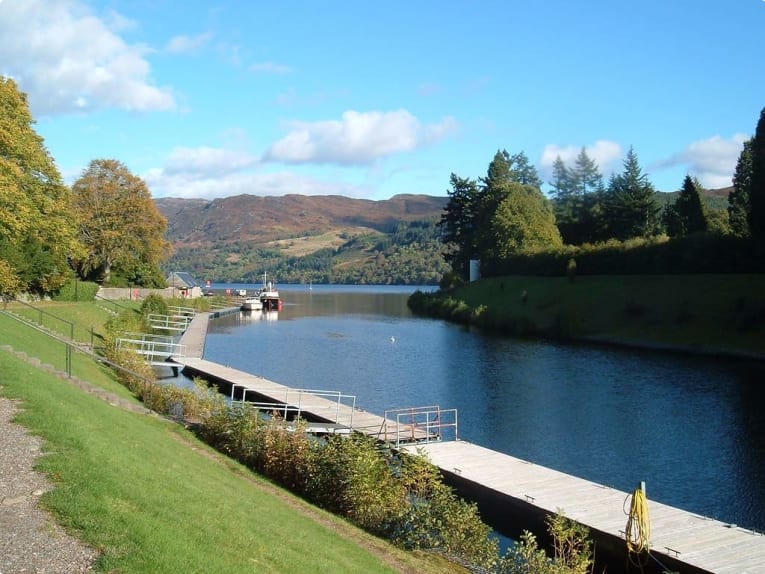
(184,285)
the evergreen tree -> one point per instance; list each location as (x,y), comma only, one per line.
(757,184)
(459,223)
(585,175)
(493,191)
(687,214)
(738,200)
(630,208)
(521,171)
(562,183)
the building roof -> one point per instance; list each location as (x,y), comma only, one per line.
(182,279)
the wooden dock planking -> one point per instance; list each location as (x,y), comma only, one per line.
(195,335)
(309,403)
(702,543)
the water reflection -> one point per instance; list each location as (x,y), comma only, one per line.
(690,427)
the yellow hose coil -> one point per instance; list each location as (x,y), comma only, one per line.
(638,531)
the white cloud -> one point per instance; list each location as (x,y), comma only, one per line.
(712,160)
(207,172)
(184,44)
(207,161)
(68,60)
(190,185)
(269,68)
(605,153)
(359,138)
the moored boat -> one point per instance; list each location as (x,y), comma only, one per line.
(269,295)
(252,303)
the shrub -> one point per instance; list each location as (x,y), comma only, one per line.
(154,304)
(77,290)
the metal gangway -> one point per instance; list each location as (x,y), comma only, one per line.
(334,406)
(419,425)
(156,349)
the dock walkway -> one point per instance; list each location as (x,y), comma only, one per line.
(686,541)
(502,484)
(326,406)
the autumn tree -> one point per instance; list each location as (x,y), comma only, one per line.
(37,234)
(686,215)
(738,200)
(120,226)
(630,208)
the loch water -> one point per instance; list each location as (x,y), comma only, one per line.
(691,427)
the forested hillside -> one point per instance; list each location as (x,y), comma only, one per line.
(301,239)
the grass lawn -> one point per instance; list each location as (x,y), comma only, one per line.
(701,312)
(152,498)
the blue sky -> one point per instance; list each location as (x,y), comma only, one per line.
(214,99)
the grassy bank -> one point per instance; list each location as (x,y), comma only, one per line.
(702,313)
(152,498)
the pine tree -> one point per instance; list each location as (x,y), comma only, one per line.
(585,174)
(630,207)
(687,214)
(757,185)
(738,200)
(459,223)
(521,170)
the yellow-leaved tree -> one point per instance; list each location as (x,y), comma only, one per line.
(37,231)
(120,226)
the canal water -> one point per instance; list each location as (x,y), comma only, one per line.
(692,428)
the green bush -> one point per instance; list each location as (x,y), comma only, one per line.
(76,290)
(154,304)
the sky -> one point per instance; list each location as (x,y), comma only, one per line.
(372,99)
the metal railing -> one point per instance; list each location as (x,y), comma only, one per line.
(298,401)
(168,322)
(419,424)
(156,352)
(41,315)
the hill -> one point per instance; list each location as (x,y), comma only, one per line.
(300,238)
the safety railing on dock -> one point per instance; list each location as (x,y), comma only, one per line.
(168,322)
(298,401)
(155,352)
(419,424)
(178,312)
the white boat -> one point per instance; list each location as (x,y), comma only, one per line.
(252,303)
(269,295)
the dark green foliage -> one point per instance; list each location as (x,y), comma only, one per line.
(687,214)
(154,304)
(459,223)
(630,208)
(700,253)
(76,290)
(503,213)
(577,200)
(738,200)
(757,185)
